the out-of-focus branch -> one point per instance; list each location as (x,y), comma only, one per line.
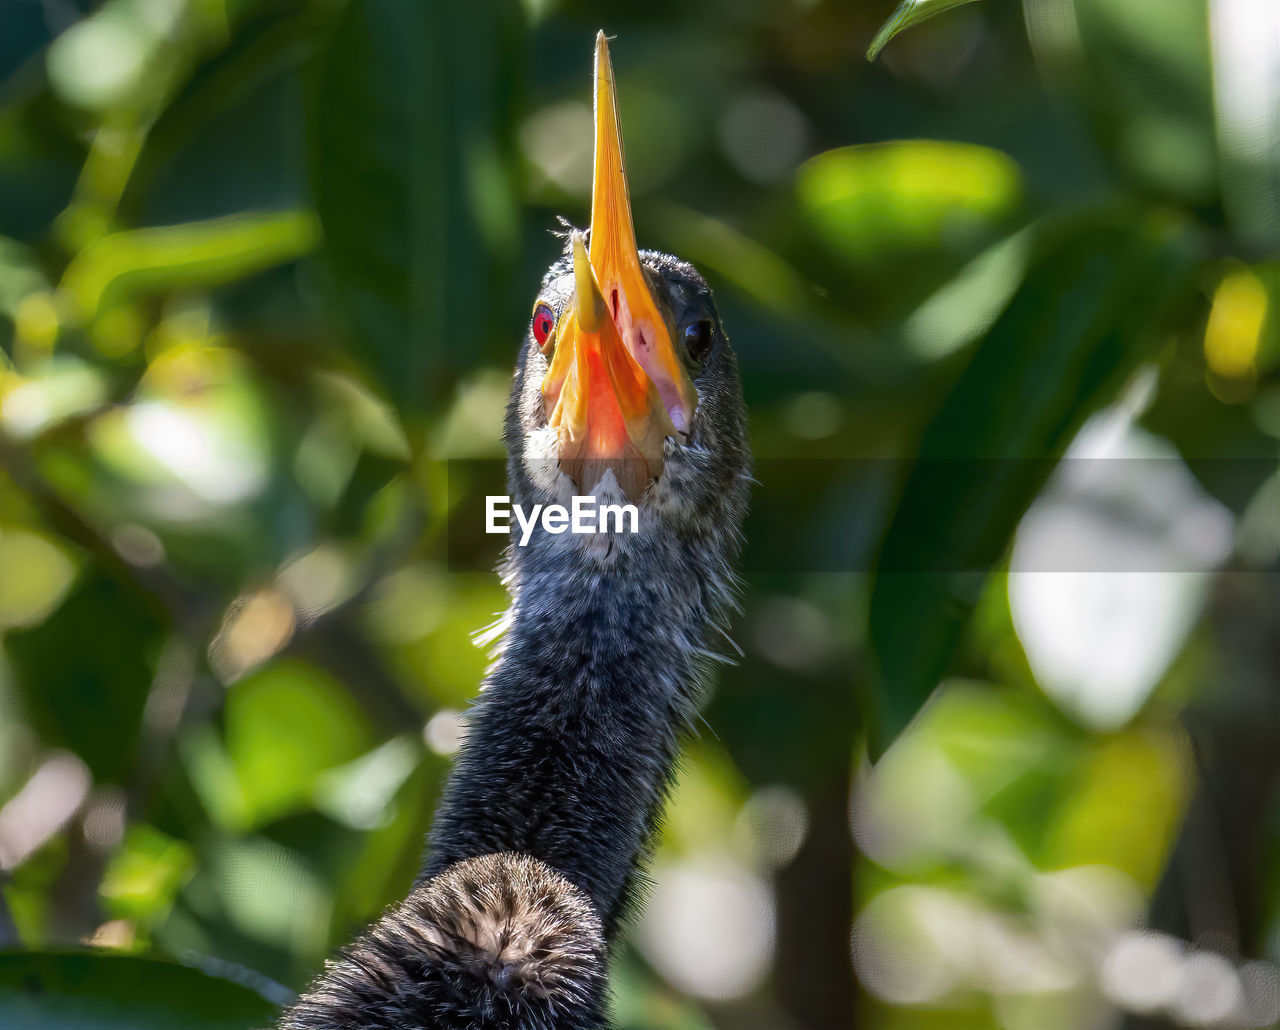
(8,930)
(813,969)
(815,912)
(1212,891)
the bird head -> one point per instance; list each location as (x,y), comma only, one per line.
(627,387)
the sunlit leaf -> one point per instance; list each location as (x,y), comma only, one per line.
(90,991)
(37,573)
(287,724)
(877,199)
(1123,810)
(146,873)
(708,798)
(1189,409)
(439,655)
(907,14)
(1080,322)
(1237,322)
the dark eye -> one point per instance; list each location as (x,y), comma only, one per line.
(697,340)
(544,321)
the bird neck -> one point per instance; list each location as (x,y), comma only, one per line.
(569,750)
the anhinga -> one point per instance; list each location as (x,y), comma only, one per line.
(625,389)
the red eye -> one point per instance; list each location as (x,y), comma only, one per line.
(543,322)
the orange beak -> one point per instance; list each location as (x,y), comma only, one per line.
(616,387)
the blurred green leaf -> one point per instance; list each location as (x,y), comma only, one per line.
(885,198)
(272,894)
(361,794)
(907,14)
(146,873)
(442,661)
(1122,808)
(37,574)
(411,180)
(89,991)
(389,856)
(287,724)
(753,268)
(1079,324)
(199,254)
(966,306)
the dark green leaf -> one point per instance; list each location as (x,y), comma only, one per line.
(85,672)
(1079,324)
(88,991)
(410,168)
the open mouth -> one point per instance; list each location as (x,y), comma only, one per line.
(616,388)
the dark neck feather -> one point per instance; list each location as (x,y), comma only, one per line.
(570,748)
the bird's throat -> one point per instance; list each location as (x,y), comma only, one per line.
(570,749)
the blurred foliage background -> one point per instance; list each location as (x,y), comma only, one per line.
(264,265)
